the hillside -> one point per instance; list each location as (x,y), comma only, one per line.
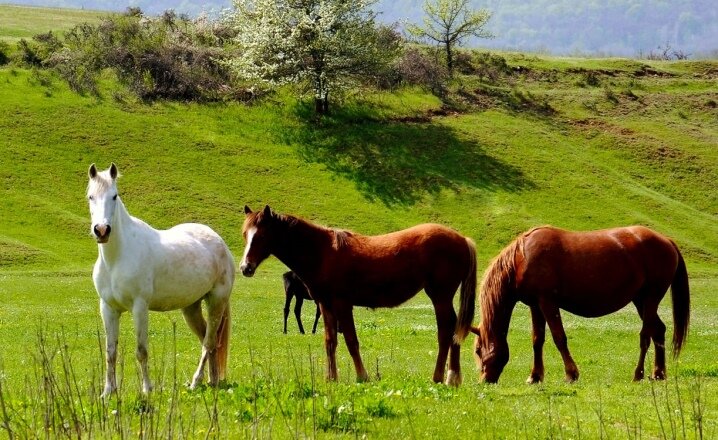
(639,147)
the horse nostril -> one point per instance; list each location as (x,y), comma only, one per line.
(101,230)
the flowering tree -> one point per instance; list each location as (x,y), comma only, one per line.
(325,45)
(449,23)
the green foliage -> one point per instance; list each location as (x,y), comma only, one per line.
(169,57)
(449,23)
(327,46)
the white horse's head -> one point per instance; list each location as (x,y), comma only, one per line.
(102,196)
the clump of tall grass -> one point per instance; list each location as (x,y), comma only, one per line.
(56,399)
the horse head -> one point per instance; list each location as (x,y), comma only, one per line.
(491,356)
(257,232)
(102,197)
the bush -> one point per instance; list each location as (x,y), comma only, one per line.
(490,67)
(170,57)
(417,68)
(4,53)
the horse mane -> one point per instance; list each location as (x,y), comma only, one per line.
(498,282)
(340,237)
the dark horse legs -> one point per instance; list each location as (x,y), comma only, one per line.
(538,323)
(653,328)
(553,317)
(345,315)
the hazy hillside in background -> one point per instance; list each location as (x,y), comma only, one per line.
(614,27)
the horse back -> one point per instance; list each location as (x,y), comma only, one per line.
(595,272)
(386,270)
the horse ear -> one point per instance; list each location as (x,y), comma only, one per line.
(247,210)
(113,171)
(92,172)
(267,211)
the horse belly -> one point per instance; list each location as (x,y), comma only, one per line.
(389,293)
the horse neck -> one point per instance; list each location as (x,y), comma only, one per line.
(122,227)
(499,323)
(302,248)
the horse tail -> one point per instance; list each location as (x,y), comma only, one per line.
(467,305)
(223,342)
(680,295)
(498,284)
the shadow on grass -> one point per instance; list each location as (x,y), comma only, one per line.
(397,162)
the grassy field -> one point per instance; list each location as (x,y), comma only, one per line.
(578,143)
(18,22)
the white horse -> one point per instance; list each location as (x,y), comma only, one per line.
(140,269)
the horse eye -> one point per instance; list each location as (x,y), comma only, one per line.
(114,197)
(91,197)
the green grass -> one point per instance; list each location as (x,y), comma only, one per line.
(540,147)
(18,22)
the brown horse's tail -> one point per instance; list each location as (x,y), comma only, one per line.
(468,296)
(223,342)
(680,295)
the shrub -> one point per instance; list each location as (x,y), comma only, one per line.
(170,57)
(417,68)
(4,53)
(491,67)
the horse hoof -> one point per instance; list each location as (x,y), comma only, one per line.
(659,375)
(533,380)
(453,378)
(571,378)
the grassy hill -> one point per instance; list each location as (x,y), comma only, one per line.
(18,22)
(578,143)
(634,150)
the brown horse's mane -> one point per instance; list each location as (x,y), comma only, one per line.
(497,283)
(340,237)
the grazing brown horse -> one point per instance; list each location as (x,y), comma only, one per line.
(343,270)
(294,288)
(589,274)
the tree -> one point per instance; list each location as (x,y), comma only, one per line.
(449,23)
(326,45)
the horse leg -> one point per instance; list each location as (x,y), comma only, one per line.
(659,343)
(140,316)
(446,324)
(644,338)
(658,334)
(287,302)
(194,319)
(330,341)
(215,313)
(552,315)
(538,324)
(316,319)
(298,312)
(111,321)
(345,314)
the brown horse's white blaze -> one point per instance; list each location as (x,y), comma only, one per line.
(589,274)
(342,269)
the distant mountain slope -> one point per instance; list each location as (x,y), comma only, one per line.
(618,27)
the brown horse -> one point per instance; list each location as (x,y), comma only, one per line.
(343,270)
(589,274)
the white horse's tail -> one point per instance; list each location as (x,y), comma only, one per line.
(223,342)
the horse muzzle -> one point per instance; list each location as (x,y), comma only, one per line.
(248,269)
(101,233)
